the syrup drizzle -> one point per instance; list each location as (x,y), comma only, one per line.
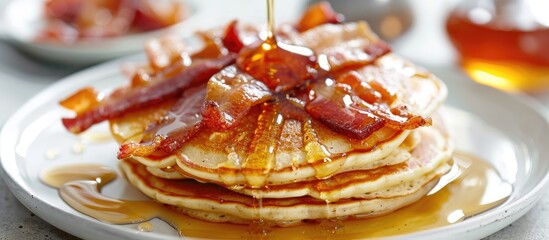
(270,19)
(279,65)
(475,187)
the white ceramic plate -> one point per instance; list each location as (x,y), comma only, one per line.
(507,130)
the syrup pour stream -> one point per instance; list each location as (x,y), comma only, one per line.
(471,188)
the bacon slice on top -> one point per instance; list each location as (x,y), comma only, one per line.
(180,124)
(332,105)
(232,39)
(140,97)
(333,81)
(230,96)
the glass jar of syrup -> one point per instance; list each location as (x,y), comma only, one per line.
(503,43)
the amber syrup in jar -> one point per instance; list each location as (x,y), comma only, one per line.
(503,43)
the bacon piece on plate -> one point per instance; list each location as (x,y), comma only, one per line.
(145,96)
(231,94)
(181,123)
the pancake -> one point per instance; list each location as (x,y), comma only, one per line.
(210,160)
(433,151)
(214,203)
(351,195)
(167,173)
(399,155)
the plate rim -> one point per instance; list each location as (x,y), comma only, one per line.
(19,187)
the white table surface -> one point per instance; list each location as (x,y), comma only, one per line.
(21,78)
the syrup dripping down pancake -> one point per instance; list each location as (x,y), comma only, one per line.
(211,202)
(433,151)
(362,192)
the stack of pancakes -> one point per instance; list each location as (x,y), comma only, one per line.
(314,172)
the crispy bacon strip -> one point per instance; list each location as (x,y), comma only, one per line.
(181,123)
(231,95)
(377,90)
(345,58)
(151,94)
(369,91)
(399,118)
(167,56)
(281,66)
(335,109)
(291,107)
(357,109)
(316,15)
(231,40)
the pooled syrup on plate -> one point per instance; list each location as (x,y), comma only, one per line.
(58,176)
(474,188)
